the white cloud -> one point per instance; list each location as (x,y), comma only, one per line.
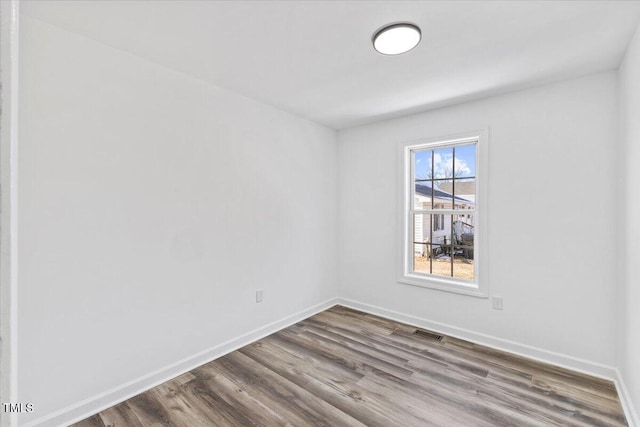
(443,166)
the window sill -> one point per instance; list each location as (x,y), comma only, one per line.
(442,284)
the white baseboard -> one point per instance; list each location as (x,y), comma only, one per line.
(558,359)
(627,404)
(95,404)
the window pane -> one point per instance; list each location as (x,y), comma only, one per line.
(421,231)
(464,193)
(422,197)
(441,226)
(463,236)
(464,162)
(463,267)
(443,163)
(422,165)
(459,193)
(423,175)
(441,245)
(463,229)
(422,260)
(442,199)
(441,265)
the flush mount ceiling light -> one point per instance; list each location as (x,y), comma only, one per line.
(394,39)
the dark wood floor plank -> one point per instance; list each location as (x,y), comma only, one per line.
(442,399)
(353,324)
(120,416)
(179,411)
(359,361)
(409,347)
(245,400)
(297,405)
(380,343)
(149,411)
(342,394)
(357,345)
(342,367)
(93,421)
(301,360)
(215,408)
(578,380)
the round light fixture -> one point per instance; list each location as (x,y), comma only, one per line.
(394,39)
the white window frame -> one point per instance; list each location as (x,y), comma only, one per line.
(479,287)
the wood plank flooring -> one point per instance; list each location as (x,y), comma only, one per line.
(346,368)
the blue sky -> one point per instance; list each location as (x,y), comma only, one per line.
(464,163)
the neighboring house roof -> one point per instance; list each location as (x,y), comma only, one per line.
(424,189)
(461,187)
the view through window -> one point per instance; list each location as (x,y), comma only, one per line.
(443,211)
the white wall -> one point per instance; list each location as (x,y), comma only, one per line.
(552,231)
(629,338)
(152,206)
(9,67)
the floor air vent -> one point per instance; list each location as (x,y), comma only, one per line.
(428,334)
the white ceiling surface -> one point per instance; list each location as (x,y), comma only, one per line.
(315,59)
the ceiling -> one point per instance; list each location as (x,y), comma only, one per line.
(315,58)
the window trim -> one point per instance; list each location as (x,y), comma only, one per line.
(480,286)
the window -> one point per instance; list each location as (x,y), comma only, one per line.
(443,214)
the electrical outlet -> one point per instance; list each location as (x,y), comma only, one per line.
(497,303)
(259,295)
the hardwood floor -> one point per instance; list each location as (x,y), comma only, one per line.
(346,368)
